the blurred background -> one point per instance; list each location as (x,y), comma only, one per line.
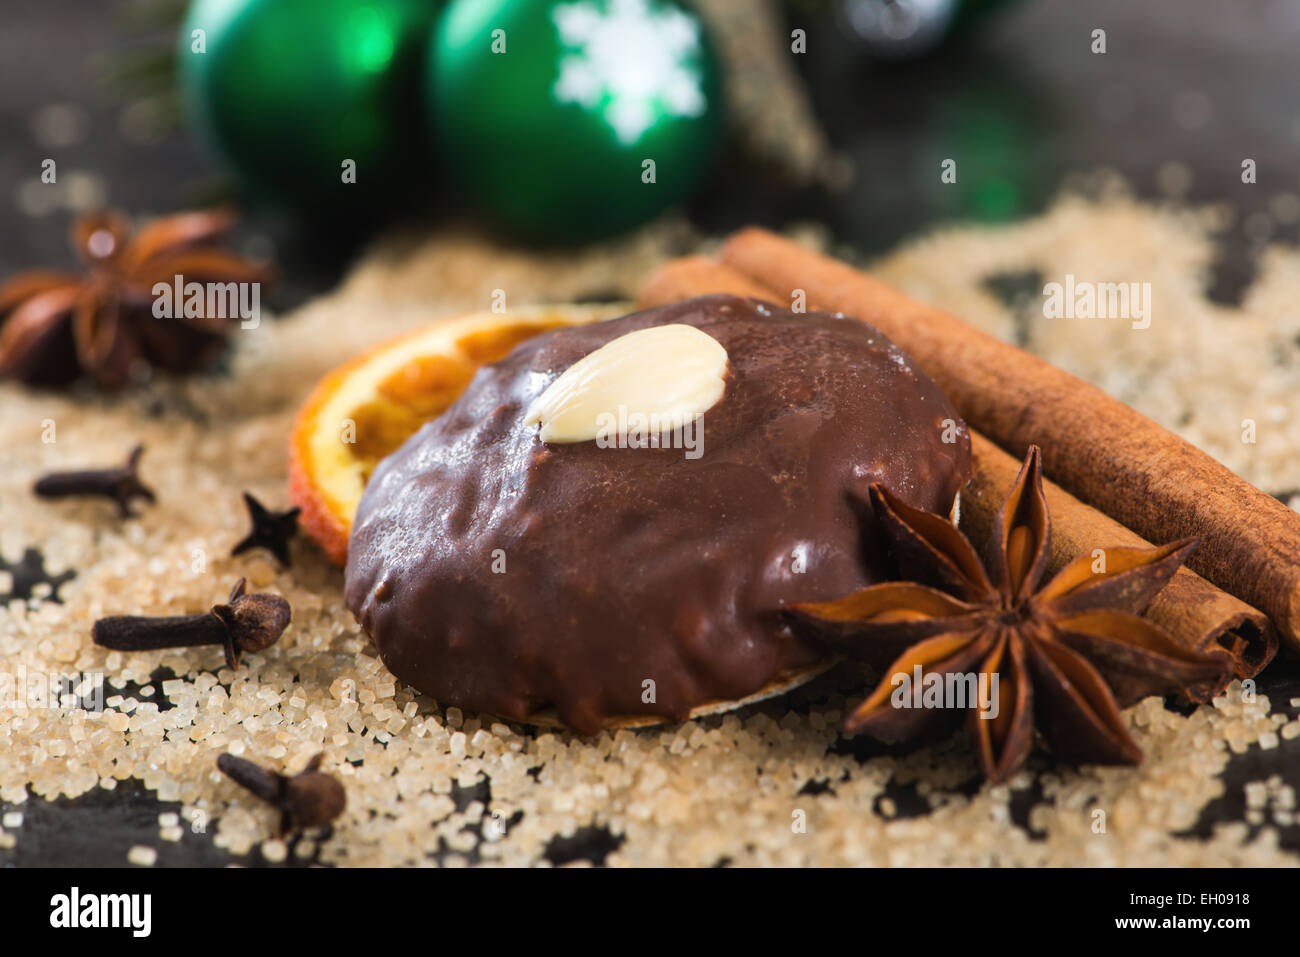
(835,112)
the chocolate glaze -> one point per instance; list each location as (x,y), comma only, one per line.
(623,565)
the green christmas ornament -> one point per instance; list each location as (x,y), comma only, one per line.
(574,119)
(301,96)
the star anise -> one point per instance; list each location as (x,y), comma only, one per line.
(271,530)
(56,325)
(1067,655)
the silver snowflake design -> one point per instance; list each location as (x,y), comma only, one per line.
(635,61)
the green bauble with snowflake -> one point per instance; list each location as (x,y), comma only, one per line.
(570,120)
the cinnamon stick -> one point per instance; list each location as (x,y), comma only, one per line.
(1192,610)
(1108,454)
(693,276)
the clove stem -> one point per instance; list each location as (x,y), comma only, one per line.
(267,785)
(141,633)
(120,483)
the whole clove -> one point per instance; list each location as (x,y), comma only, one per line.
(310,798)
(244,623)
(271,530)
(120,483)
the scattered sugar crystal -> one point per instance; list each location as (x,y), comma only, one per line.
(142,856)
(457,745)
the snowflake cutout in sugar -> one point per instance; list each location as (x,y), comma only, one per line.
(636,61)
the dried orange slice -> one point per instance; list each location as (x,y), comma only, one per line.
(366,408)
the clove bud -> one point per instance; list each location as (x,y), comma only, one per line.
(311,798)
(245,622)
